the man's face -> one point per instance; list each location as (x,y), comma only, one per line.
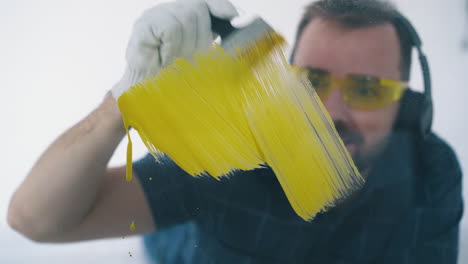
(373,51)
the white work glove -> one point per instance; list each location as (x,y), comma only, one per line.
(166,32)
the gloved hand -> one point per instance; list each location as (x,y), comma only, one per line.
(166,32)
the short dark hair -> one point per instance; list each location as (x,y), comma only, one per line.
(357,14)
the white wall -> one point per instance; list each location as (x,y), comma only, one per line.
(58,58)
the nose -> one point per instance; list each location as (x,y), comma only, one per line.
(336,106)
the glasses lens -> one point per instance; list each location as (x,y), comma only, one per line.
(320,82)
(368,93)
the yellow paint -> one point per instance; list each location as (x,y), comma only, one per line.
(132,226)
(128,175)
(220,113)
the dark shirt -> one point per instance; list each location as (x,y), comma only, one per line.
(408,212)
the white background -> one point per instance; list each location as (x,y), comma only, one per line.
(58,59)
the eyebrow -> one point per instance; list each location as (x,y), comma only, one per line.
(348,75)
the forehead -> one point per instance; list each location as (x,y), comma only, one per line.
(373,50)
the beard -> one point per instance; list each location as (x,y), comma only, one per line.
(354,141)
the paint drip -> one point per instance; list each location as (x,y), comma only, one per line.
(217,114)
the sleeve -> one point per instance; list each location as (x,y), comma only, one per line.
(168,189)
(438,223)
(432,229)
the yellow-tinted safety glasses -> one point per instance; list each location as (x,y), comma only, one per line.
(361,92)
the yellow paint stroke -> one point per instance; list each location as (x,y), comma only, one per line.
(132,226)
(128,174)
(218,113)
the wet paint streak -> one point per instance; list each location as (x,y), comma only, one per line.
(216,114)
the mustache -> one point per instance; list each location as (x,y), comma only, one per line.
(348,136)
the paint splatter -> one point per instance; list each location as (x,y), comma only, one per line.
(244,115)
(130,254)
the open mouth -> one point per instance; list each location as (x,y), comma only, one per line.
(351,147)
(351,142)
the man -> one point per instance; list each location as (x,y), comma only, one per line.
(407,212)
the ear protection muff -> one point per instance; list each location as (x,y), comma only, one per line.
(416,109)
(415,113)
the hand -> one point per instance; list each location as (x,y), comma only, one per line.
(166,32)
